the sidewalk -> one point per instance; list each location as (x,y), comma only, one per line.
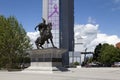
(73,74)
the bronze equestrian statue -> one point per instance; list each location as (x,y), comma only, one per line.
(45,34)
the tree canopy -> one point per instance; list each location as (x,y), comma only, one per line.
(13,41)
(106,54)
(97,52)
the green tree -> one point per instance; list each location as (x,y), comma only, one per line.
(109,54)
(97,52)
(13,42)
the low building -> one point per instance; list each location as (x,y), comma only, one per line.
(118,45)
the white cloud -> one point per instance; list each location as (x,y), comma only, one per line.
(104,38)
(87,29)
(33,36)
(91,20)
(88,34)
(93,36)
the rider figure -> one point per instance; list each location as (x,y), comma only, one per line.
(41,28)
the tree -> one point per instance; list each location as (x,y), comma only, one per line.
(106,54)
(97,52)
(13,41)
(109,54)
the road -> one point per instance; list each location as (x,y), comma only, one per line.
(73,74)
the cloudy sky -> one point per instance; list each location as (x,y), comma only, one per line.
(97,21)
(91,36)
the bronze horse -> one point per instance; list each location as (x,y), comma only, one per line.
(46,34)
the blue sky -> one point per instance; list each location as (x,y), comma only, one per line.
(106,13)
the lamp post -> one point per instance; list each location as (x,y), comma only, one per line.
(85,55)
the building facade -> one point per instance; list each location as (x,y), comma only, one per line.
(51,14)
(118,45)
(61,14)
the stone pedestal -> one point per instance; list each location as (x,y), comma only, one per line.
(46,60)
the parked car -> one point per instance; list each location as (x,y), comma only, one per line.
(116,64)
(94,64)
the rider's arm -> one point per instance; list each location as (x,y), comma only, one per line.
(36,27)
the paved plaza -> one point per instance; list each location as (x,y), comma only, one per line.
(73,74)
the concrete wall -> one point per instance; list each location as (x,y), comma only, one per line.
(46,64)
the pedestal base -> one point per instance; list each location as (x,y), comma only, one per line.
(46,60)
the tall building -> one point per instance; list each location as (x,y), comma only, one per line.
(61,14)
(66,27)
